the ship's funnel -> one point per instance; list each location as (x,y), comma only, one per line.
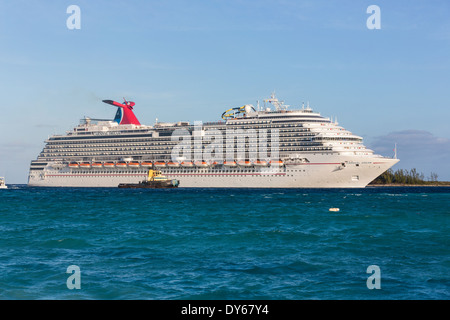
(125,114)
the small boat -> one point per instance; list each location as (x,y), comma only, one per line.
(276,163)
(187,164)
(97,165)
(173,164)
(109,165)
(160,164)
(229,164)
(2,183)
(134,164)
(121,164)
(73,165)
(146,164)
(244,163)
(85,165)
(201,164)
(260,163)
(155,180)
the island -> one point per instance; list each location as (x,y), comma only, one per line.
(403,177)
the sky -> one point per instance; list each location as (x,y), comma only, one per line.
(192,60)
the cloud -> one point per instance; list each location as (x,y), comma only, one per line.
(417,149)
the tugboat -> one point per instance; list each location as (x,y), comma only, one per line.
(155,180)
(2,183)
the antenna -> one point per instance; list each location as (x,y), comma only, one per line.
(279,105)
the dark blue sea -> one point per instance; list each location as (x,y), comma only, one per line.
(244,244)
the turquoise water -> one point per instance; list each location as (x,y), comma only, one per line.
(224,244)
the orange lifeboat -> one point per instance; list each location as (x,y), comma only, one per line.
(73,165)
(260,163)
(187,164)
(97,165)
(160,164)
(121,164)
(146,164)
(244,163)
(276,163)
(173,164)
(229,164)
(85,165)
(134,164)
(201,164)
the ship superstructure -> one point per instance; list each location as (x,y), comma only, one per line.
(257,147)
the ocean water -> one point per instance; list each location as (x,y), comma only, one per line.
(210,244)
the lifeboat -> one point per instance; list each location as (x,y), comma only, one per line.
(173,164)
(215,163)
(85,165)
(134,164)
(244,163)
(109,165)
(201,164)
(276,163)
(229,164)
(73,165)
(160,164)
(121,164)
(260,163)
(97,165)
(187,164)
(146,164)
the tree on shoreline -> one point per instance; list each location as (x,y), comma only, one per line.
(433,177)
(402,176)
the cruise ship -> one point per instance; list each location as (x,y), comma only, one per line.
(262,146)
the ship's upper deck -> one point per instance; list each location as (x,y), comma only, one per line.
(295,131)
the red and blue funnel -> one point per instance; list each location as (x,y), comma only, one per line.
(125,114)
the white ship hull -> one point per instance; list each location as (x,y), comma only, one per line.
(356,173)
